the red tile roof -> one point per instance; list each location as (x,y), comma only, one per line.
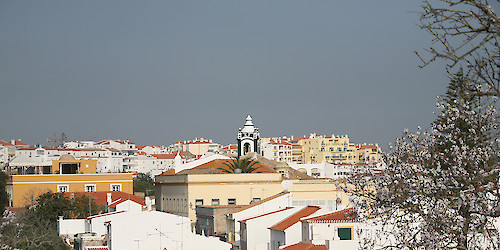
(290,221)
(119,201)
(20,143)
(219,163)
(6,144)
(305,246)
(231,146)
(169,172)
(164,156)
(101,197)
(338,216)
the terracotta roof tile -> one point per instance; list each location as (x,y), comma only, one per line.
(169,172)
(20,143)
(338,216)
(164,156)
(290,221)
(219,163)
(305,246)
(101,197)
(6,144)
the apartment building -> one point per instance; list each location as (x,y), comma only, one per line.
(336,149)
(198,146)
(63,175)
(276,149)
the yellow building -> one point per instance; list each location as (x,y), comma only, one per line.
(67,164)
(68,175)
(180,194)
(336,149)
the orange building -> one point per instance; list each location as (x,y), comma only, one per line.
(68,175)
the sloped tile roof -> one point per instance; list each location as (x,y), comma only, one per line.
(213,168)
(164,156)
(305,246)
(345,215)
(290,221)
(101,197)
(6,144)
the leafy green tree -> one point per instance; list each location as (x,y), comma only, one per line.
(4,197)
(52,205)
(144,183)
(84,206)
(242,165)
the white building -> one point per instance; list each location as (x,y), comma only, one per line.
(6,151)
(254,230)
(277,150)
(335,170)
(144,230)
(289,230)
(336,230)
(270,204)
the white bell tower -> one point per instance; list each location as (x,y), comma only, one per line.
(248,138)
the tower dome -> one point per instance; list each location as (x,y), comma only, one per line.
(248,138)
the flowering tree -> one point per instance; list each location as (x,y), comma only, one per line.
(440,187)
(466,34)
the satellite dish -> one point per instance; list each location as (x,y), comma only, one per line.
(286,185)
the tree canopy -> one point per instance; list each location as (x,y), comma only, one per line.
(440,186)
(4,196)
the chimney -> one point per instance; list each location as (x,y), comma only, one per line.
(108,199)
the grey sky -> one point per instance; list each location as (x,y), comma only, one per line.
(159,71)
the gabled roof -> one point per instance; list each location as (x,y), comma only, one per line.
(261,201)
(6,144)
(164,156)
(231,146)
(169,172)
(20,143)
(290,221)
(212,167)
(305,246)
(120,200)
(345,215)
(101,197)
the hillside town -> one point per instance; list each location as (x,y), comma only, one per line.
(376,125)
(201,196)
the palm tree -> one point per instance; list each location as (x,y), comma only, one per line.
(240,165)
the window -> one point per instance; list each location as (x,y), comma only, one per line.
(89,187)
(231,201)
(215,202)
(115,187)
(255,199)
(62,188)
(198,202)
(345,233)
